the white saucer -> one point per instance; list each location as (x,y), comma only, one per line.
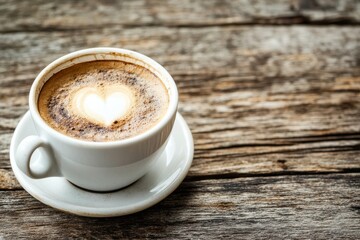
(166,175)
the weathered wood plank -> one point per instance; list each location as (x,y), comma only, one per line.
(43,15)
(212,52)
(258,100)
(227,58)
(295,207)
(8,180)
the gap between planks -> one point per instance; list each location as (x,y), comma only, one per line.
(181,26)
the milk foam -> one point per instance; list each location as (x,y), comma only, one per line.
(103,105)
(103,100)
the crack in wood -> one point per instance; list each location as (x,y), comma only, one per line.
(271,22)
(272,174)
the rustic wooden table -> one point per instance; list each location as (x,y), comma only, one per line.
(270,90)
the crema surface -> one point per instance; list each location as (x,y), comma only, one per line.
(103,100)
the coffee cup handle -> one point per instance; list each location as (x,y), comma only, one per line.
(25,151)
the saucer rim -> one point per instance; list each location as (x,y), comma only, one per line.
(106,211)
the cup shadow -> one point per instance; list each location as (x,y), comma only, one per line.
(156,220)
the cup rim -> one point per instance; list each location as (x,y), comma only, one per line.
(171,111)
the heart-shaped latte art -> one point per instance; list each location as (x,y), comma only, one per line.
(103,105)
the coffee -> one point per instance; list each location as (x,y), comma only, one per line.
(105,100)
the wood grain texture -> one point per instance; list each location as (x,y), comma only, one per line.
(259,100)
(8,180)
(41,15)
(271,93)
(299,207)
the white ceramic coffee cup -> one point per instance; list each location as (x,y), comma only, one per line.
(97,166)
